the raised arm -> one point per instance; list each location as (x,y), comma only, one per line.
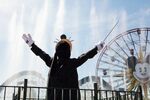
(90,54)
(36,50)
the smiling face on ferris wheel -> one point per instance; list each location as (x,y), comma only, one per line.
(142,71)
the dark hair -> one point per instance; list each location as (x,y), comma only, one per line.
(63,49)
(63,36)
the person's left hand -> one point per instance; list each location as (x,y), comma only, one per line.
(100,45)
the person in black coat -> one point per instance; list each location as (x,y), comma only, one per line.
(63,76)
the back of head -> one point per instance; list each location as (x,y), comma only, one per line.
(63,47)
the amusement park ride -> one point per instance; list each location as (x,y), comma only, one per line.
(125,61)
(123,64)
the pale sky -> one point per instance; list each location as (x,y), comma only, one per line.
(87,22)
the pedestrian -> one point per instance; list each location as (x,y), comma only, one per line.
(63,76)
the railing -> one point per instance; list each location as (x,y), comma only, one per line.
(39,93)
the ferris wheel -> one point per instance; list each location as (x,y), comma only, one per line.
(114,62)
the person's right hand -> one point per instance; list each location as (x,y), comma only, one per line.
(28,39)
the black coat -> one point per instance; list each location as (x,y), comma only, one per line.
(63,73)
